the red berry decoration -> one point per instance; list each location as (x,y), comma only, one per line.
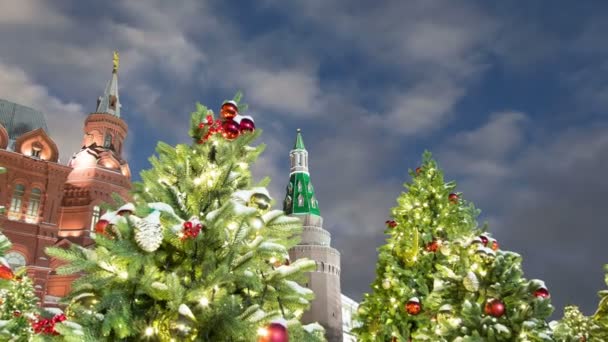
(542,292)
(484,239)
(391,223)
(191,230)
(413,306)
(100,226)
(201,125)
(433,246)
(6,272)
(246,125)
(495,245)
(453,198)
(230,129)
(495,308)
(418,170)
(229,110)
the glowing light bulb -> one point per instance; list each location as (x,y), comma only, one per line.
(198,180)
(232,225)
(204,301)
(123,275)
(273,260)
(149,331)
(263,332)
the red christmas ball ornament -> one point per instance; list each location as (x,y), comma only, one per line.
(6,272)
(187,225)
(391,223)
(413,306)
(542,292)
(418,170)
(484,239)
(229,110)
(495,245)
(201,125)
(230,129)
(495,308)
(100,226)
(453,198)
(246,125)
(275,332)
(433,246)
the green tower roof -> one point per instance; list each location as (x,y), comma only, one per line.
(18,119)
(300,197)
(299,145)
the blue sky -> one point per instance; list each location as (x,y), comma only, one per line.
(511,98)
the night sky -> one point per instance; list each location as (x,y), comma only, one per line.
(511,99)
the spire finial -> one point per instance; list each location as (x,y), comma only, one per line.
(299,145)
(116,61)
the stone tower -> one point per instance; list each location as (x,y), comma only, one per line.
(315,244)
(98,169)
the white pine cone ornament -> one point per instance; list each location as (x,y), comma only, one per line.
(149,232)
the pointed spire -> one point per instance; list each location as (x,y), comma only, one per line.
(300,198)
(109,103)
(299,145)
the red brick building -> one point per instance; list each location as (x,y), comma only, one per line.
(51,204)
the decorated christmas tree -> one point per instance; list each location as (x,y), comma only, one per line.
(442,278)
(18,301)
(576,327)
(198,255)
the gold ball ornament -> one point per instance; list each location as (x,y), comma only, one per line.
(260,201)
(229,110)
(386,284)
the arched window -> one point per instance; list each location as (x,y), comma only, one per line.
(36,149)
(15,259)
(15,209)
(107,141)
(33,206)
(95,217)
(312,202)
(300,200)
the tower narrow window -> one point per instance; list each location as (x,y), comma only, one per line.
(300,200)
(36,149)
(95,217)
(313,203)
(33,206)
(112,103)
(107,141)
(16,200)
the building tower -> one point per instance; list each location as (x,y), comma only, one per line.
(98,169)
(315,244)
